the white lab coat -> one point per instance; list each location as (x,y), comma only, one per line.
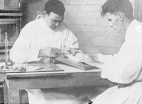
(35,36)
(124,67)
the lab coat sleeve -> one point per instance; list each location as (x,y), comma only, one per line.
(21,52)
(126,66)
(71,40)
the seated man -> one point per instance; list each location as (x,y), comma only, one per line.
(39,37)
(45,37)
(125,67)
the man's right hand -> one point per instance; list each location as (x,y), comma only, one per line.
(49,52)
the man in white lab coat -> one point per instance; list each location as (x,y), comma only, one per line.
(45,37)
(123,68)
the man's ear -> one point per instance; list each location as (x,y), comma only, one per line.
(121,16)
(44,13)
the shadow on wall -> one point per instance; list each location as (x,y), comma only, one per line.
(29,9)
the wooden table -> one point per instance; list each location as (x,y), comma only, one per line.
(71,77)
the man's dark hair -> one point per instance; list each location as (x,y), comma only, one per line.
(54,6)
(115,6)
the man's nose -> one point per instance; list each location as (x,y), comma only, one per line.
(110,24)
(57,24)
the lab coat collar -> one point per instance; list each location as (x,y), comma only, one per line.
(132,26)
(45,25)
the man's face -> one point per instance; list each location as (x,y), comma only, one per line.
(53,20)
(115,22)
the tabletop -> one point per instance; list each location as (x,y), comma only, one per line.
(68,77)
(66,70)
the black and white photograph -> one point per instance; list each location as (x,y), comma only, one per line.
(70,51)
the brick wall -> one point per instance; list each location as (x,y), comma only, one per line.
(92,30)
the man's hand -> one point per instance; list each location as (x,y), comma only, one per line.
(99,65)
(94,61)
(94,58)
(49,52)
(68,51)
